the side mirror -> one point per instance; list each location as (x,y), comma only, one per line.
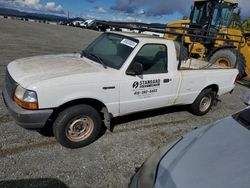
(138,68)
(135,69)
(247,98)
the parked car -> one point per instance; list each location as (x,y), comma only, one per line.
(65,23)
(68,23)
(102,26)
(89,24)
(215,155)
(117,74)
(77,23)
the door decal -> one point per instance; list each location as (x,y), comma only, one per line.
(146,88)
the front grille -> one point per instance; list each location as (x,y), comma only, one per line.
(10,84)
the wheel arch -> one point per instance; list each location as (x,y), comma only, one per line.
(197,106)
(214,87)
(89,101)
(100,107)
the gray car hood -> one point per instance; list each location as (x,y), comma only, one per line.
(30,70)
(214,156)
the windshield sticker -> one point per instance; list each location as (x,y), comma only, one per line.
(129,43)
(146,88)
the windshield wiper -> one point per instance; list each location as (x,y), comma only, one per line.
(84,53)
(99,60)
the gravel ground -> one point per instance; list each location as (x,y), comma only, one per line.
(28,159)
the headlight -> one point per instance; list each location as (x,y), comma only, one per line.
(25,98)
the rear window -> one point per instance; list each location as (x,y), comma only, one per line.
(243,118)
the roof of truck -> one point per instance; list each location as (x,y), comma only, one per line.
(135,35)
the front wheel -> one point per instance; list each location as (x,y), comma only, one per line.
(77,126)
(203,102)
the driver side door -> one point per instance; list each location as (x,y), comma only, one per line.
(154,87)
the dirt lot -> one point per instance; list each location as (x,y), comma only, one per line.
(26,158)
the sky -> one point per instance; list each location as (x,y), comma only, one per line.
(149,11)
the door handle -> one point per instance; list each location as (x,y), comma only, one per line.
(167,80)
(110,87)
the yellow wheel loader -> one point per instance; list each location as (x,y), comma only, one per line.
(211,33)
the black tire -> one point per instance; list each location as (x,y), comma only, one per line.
(232,56)
(77,126)
(203,102)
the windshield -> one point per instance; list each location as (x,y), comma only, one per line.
(111,49)
(222,16)
(215,14)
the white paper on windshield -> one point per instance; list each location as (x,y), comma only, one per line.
(129,43)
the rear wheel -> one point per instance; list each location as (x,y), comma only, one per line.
(229,58)
(77,126)
(203,102)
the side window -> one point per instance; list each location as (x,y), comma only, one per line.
(225,16)
(215,17)
(153,58)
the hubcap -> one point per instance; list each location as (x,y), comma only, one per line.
(223,62)
(79,128)
(205,104)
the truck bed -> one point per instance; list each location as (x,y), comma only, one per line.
(195,64)
(196,75)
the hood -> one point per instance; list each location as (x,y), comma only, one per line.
(212,156)
(31,70)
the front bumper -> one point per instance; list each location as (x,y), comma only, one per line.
(28,119)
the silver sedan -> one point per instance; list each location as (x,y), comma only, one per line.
(215,155)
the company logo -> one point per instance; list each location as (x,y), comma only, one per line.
(135,85)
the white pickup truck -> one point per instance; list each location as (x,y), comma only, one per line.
(117,74)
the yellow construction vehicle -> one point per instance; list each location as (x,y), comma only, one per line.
(212,34)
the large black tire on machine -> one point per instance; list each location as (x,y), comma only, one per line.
(229,58)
